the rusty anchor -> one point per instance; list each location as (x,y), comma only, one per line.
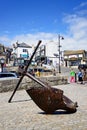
(46,98)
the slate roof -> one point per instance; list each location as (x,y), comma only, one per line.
(73,52)
(23,45)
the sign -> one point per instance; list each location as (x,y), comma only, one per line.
(73,56)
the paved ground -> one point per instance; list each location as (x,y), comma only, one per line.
(23,114)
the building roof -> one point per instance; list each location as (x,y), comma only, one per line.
(23,45)
(1,44)
(73,52)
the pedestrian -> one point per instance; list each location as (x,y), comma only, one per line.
(37,73)
(72,76)
(20,69)
(80,76)
(54,72)
(33,73)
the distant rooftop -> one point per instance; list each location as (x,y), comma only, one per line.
(71,52)
(23,45)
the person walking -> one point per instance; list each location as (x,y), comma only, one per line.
(80,76)
(54,72)
(72,76)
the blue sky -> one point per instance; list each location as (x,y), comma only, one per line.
(32,20)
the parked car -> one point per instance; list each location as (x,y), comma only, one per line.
(8,75)
(49,67)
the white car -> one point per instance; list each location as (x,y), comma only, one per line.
(50,67)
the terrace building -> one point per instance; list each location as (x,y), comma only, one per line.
(21,52)
(75,57)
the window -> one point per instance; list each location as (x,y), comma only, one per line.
(75,63)
(24,50)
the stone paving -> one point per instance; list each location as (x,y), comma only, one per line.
(23,114)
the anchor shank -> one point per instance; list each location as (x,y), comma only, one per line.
(36,80)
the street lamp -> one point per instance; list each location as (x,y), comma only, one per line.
(2,61)
(62,38)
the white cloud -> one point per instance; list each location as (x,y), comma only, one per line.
(5,40)
(81,5)
(75,37)
(32,39)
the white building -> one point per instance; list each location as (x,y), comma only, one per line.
(22,50)
(51,50)
(49,54)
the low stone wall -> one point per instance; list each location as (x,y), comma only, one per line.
(10,84)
